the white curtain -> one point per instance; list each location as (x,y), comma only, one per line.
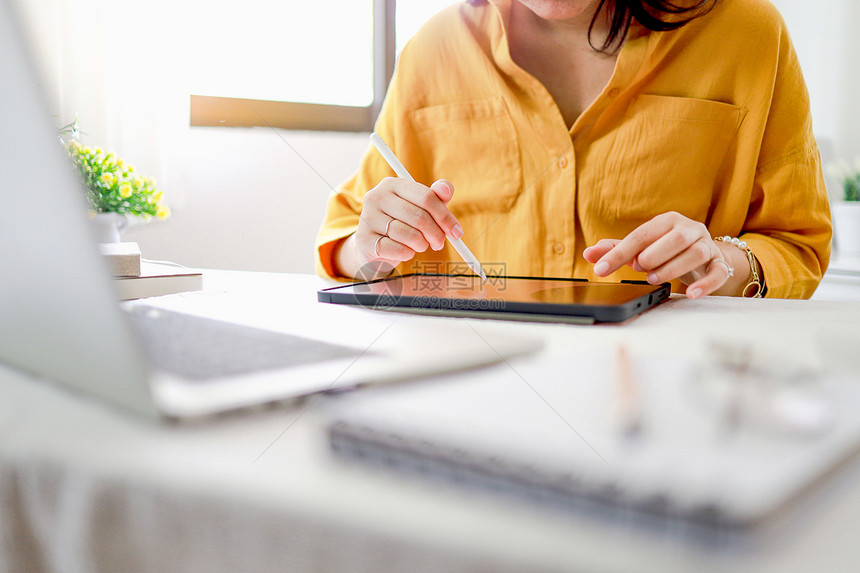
(112,63)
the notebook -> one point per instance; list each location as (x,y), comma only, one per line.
(61,320)
(549,431)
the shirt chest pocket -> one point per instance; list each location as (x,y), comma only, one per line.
(668,154)
(473,145)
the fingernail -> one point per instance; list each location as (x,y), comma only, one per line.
(694,293)
(601,268)
(457,231)
(439,246)
(652,278)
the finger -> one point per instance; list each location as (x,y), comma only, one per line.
(443,189)
(715,277)
(377,221)
(593,253)
(372,224)
(409,236)
(427,199)
(375,247)
(695,257)
(415,217)
(676,241)
(630,246)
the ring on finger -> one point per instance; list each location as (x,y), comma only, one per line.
(729,269)
(376,246)
(387,225)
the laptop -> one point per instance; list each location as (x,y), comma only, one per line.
(60,319)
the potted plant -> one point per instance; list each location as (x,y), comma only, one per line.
(846,213)
(115,191)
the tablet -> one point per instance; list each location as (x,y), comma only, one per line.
(507,297)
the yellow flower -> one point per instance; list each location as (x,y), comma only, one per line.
(120,163)
(107,178)
(125,190)
(162,212)
(137,182)
(75,146)
(156,198)
(149,181)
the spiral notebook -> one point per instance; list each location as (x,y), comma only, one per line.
(550,431)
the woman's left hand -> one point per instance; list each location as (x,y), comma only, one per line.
(671,246)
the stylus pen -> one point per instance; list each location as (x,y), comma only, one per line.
(398,168)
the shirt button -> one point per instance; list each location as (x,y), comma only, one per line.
(562,162)
(558,248)
(614,92)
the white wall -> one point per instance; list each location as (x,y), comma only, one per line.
(246,199)
(825,36)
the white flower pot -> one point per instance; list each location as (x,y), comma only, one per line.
(108,227)
(846,227)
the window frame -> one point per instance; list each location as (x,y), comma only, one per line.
(217,111)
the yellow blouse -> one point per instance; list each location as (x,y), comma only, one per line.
(711,120)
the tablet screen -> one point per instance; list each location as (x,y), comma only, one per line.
(506,289)
(602,301)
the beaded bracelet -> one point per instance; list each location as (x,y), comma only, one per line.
(755,287)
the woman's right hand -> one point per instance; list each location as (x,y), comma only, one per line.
(399,219)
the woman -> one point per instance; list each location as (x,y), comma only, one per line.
(599,139)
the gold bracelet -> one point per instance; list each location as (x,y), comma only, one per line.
(755,287)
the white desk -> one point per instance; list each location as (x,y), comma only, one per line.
(86,488)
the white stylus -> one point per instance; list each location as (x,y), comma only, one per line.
(398,168)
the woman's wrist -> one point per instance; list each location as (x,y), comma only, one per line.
(738,263)
(747,280)
(345,257)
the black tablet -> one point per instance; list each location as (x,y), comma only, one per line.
(507,297)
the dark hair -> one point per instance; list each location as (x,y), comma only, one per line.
(655,15)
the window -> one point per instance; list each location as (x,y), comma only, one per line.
(341,57)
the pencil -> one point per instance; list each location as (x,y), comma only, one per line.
(628,401)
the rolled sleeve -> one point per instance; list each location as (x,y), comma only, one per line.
(789,225)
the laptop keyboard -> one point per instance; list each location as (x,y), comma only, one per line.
(199,348)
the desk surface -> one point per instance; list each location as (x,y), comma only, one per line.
(84,487)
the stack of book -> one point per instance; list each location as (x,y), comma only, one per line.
(135,278)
